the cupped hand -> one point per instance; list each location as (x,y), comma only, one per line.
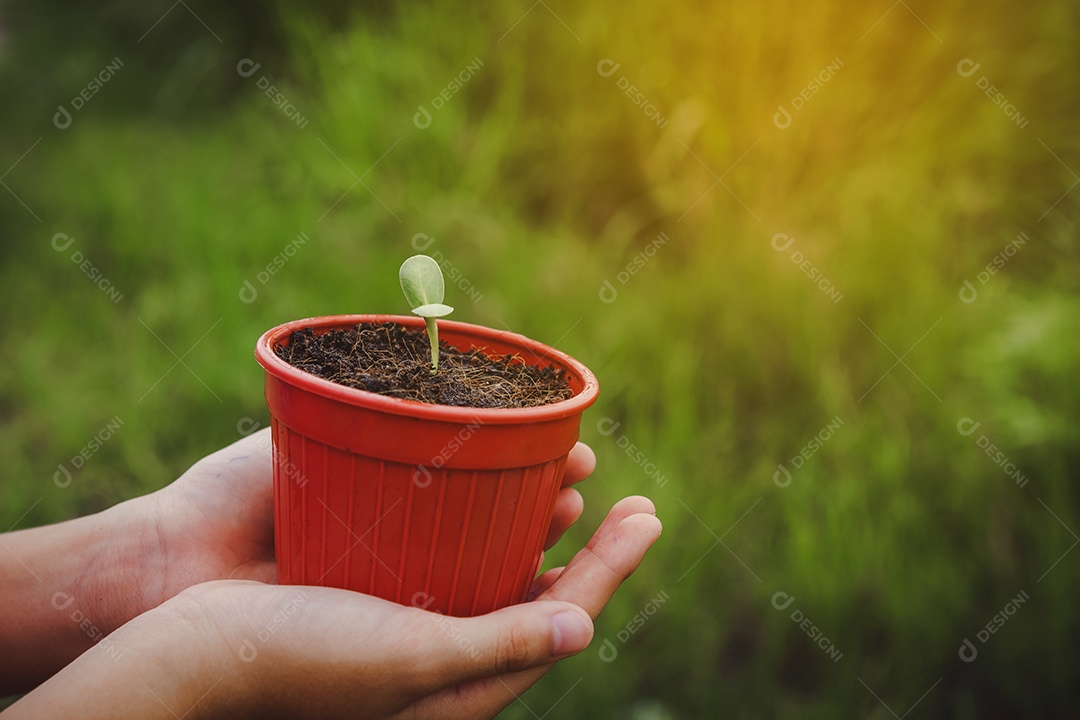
(325,653)
(216,522)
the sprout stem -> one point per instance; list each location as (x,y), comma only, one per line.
(433,336)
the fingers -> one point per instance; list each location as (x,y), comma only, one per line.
(520,637)
(615,551)
(579,465)
(568,509)
(569,505)
(587,582)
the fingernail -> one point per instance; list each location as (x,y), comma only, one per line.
(571,633)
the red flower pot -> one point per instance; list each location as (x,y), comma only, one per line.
(441,507)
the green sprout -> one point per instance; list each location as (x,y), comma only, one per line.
(422,282)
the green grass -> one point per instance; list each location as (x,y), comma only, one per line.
(721,359)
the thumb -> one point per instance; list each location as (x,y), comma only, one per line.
(515,638)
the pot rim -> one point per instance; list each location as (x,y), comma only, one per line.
(265,355)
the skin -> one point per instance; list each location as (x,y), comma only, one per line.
(163,606)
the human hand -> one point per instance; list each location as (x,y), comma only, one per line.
(216,521)
(243,649)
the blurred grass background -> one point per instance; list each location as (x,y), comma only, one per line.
(539,181)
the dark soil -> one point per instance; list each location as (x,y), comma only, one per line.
(390,359)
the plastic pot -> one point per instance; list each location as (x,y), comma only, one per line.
(440,507)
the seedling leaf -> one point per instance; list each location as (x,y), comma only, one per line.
(422,282)
(433,310)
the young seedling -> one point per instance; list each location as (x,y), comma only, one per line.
(422,282)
